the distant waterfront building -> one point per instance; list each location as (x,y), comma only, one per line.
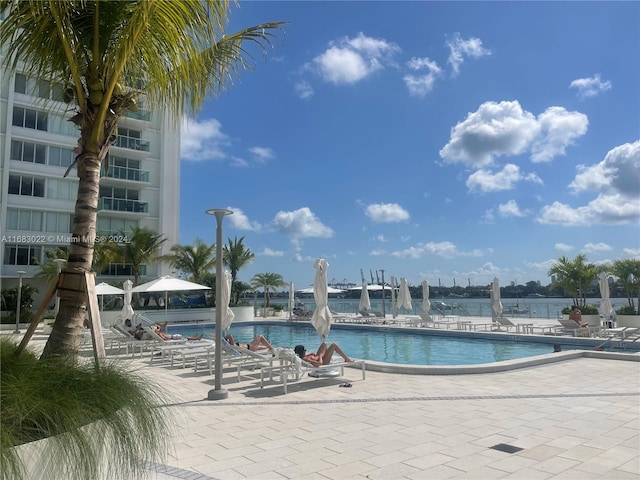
(140,189)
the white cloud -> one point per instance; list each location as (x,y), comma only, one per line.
(615,180)
(558,129)
(240,220)
(301,223)
(440,249)
(505,129)
(267,252)
(238,162)
(512,209)
(461,49)
(262,154)
(486,181)
(632,252)
(563,247)
(377,252)
(386,212)
(202,140)
(304,90)
(349,60)
(421,85)
(380,238)
(596,247)
(590,86)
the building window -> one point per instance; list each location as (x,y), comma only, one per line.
(28,152)
(60,157)
(22,254)
(131,139)
(38,88)
(29,118)
(26,185)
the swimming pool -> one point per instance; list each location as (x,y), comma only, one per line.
(416,348)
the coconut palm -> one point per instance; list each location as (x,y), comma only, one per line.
(107,55)
(574,276)
(141,248)
(267,281)
(195,260)
(235,256)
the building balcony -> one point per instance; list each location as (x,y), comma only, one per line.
(144,115)
(133,144)
(122,205)
(124,173)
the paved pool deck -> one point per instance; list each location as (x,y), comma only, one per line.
(575,419)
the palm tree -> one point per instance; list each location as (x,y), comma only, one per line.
(235,256)
(574,276)
(267,281)
(98,50)
(196,260)
(142,247)
(628,273)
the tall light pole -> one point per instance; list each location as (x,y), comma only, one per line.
(20,274)
(218,393)
(60,262)
(384,313)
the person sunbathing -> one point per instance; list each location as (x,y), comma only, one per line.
(258,343)
(322,356)
(166,336)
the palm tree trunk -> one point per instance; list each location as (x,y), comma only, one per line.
(64,340)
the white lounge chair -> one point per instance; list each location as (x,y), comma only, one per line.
(239,357)
(508,325)
(569,326)
(292,364)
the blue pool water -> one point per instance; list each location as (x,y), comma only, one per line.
(387,346)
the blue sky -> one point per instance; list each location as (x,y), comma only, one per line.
(436,141)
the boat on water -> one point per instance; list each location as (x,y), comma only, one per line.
(440,306)
(515,310)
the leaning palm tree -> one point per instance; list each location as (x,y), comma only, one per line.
(196,260)
(267,281)
(141,248)
(235,256)
(574,275)
(107,55)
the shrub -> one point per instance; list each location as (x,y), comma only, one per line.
(627,310)
(91,414)
(586,310)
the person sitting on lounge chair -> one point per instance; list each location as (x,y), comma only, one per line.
(322,356)
(576,316)
(258,343)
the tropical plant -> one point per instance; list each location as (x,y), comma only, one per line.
(89,412)
(235,256)
(267,281)
(574,276)
(10,301)
(49,268)
(142,247)
(628,273)
(106,56)
(195,260)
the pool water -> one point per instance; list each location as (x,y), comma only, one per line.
(386,346)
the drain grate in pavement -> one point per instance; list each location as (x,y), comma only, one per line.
(505,447)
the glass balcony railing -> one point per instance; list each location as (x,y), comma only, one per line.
(133,144)
(141,114)
(122,205)
(125,173)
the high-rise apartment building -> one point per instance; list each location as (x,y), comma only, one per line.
(140,189)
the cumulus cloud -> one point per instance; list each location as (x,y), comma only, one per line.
(267,252)
(301,223)
(440,249)
(512,209)
(505,129)
(590,86)
(461,49)
(386,213)
(240,220)
(632,252)
(615,180)
(350,60)
(262,154)
(486,181)
(596,247)
(202,140)
(563,247)
(420,85)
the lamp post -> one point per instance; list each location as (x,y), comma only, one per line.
(60,262)
(384,313)
(218,393)
(20,274)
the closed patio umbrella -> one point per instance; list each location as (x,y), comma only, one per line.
(606,309)
(426,303)
(365,301)
(127,310)
(321,318)
(404,296)
(227,313)
(496,304)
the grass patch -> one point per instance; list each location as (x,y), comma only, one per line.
(88,416)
